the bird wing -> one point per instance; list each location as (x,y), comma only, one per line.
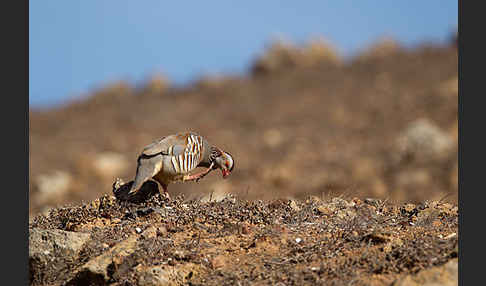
(158,147)
(150,161)
(185,149)
(174,144)
(186,153)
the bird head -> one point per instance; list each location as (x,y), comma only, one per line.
(225,162)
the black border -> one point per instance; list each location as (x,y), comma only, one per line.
(460,58)
(471,185)
(15,121)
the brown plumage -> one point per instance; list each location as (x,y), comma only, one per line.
(173,157)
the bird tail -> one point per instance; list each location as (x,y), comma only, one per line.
(136,185)
(146,168)
(139,179)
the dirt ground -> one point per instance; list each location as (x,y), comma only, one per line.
(330,241)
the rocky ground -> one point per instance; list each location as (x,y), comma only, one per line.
(317,241)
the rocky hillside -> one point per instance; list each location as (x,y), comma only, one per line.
(330,241)
(346,174)
(303,121)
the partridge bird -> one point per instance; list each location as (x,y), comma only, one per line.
(171,158)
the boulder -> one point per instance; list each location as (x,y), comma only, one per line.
(52,186)
(50,249)
(96,270)
(444,275)
(423,141)
(109,164)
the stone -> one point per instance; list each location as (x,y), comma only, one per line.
(52,186)
(338,203)
(218,262)
(294,206)
(109,164)
(152,276)
(150,232)
(96,270)
(166,274)
(246,228)
(409,207)
(423,141)
(324,210)
(51,248)
(445,275)
(427,216)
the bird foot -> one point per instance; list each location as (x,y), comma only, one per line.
(164,193)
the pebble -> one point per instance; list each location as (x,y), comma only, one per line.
(294,206)
(150,232)
(245,229)
(450,235)
(138,230)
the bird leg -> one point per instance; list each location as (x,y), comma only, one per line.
(196,177)
(166,193)
(199,176)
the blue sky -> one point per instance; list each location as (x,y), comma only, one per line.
(78,46)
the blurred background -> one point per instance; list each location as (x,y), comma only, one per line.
(327,98)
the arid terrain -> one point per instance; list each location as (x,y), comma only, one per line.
(236,242)
(346,174)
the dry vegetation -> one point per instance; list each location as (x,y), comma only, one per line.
(314,138)
(236,242)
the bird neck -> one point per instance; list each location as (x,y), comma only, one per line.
(206,155)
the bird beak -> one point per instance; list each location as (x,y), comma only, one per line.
(225,173)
